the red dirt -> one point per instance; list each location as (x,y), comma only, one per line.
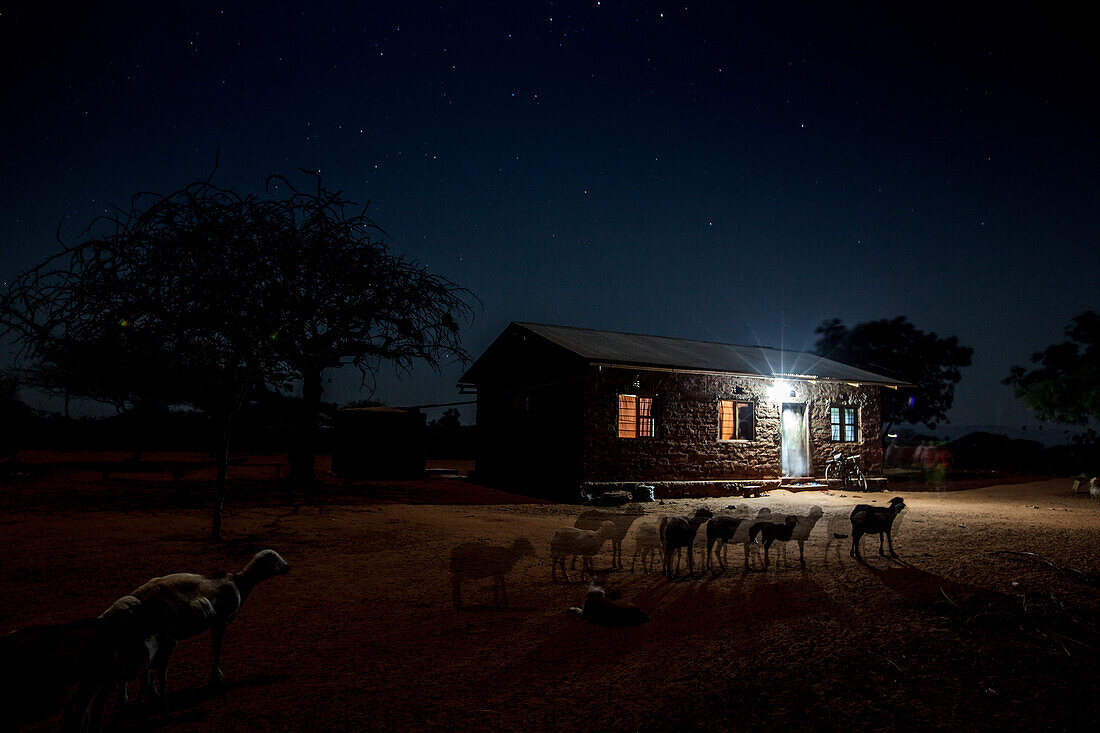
(362,633)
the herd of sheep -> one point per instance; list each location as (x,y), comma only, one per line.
(665,538)
(75,667)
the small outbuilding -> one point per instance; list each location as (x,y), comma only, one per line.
(562,408)
(379,443)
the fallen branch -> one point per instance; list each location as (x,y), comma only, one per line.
(1090,579)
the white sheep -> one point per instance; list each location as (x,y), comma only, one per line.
(1094,487)
(570,541)
(474,560)
(183,605)
(647,544)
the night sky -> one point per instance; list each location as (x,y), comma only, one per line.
(724,173)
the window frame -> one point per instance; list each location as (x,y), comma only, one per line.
(736,426)
(638,417)
(844,410)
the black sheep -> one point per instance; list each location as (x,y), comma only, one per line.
(766,533)
(867,519)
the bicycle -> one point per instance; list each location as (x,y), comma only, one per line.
(846,470)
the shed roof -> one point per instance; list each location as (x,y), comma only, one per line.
(632,349)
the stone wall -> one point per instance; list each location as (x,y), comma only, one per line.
(687,445)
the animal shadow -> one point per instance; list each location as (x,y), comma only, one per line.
(911,582)
(184,699)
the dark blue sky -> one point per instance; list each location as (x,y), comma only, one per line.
(707,171)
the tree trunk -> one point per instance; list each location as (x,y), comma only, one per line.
(221,485)
(302,455)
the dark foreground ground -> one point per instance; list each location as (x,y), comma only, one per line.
(362,633)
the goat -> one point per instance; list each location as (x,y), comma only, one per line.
(679,532)
(185,605)
(721,529)
(569,541)
(475,560)
(765,533)
(867,519)
(647,543)
(603,608)
(593,518)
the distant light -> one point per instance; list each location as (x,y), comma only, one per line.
(891,435)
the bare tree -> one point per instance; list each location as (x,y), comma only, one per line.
(345,299)
(167,298)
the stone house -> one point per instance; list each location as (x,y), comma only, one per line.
(559,408)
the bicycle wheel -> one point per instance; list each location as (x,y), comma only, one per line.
(859,479)
(830,471)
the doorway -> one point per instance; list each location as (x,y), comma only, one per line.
(795,439)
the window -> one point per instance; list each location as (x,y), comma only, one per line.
(735,420)
(636,417)
(842,420)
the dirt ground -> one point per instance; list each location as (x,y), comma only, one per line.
(362,633)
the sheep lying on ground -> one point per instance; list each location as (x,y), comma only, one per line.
(570,541)
(678,532)
(766,533)
(475,560)
(721,529)
(593,518)
(183,605)
(647,543)
(63,667)
(867,519)
(604,609)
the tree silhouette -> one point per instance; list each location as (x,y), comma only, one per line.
(167,301)
(1064,387)
(345,299)
(897,348)
(199,296)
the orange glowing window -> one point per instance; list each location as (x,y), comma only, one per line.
(735,420)
(636,417)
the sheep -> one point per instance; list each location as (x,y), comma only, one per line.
(593,518)
(679,532)
(721,529)
(838,528)
(604,609)
(1094,487)
(569,541)
(183,605)
(741,535)
(64,667)
(867,519)
(647,543)
(475,560)
(765,533)
(52,669)
(802,532)
(136,642)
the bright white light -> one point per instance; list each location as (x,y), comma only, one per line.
(779,390)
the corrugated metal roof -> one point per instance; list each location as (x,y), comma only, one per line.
(634,349)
